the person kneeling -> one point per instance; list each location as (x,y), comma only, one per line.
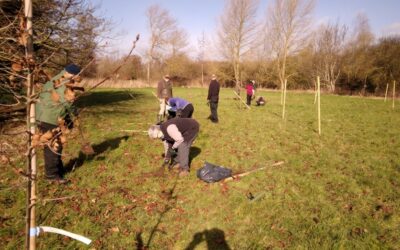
(178,135)
(260,101)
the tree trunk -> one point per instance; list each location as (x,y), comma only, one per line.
(237,76)
(202,74)
(148,73)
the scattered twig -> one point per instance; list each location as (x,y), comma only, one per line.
(59,199)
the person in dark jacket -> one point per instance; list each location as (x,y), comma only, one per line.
(179,107)
(213,98)
(178,135)
(260,101)
(53,105)
(164,90)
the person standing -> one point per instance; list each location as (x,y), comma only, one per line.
(179,107)
(249,92)
(53,105)
(213,98)
(178,135)
(164,90)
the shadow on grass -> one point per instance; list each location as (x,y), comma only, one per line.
(105,97)
(215,239)
(170,199)
(194,152)
(109,144)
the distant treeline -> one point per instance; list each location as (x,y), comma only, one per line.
(365,70)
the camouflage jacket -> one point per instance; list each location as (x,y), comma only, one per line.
(52,104)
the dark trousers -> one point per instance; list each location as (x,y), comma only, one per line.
(52,160)
(183,154)
(214,112)
(187,112)
(248,100)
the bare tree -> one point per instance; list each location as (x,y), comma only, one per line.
(359,63)
(329,44)
(287,24)
(237,32)
(201,43)
(160,25)
(178,41)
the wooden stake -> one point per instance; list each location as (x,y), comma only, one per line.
(387,87)
(31,119)
(241,100)
(394,93)
(284,99)
(252,171)
(315,93)
(319,105)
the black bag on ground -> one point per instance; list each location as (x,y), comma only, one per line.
(213,173)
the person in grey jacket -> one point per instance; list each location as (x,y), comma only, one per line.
(164,90)
(178,135)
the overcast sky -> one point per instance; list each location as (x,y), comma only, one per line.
(197,16)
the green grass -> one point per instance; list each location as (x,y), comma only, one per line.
(340,190)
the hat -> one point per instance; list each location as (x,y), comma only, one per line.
(73,69)
(154,131)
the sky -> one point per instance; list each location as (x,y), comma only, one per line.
(198,16)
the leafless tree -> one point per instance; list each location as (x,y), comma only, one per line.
(201,44)
(329,44)
(178,41)
(238,28)
(359,63)
(160,25)
(288,22)
(362,34)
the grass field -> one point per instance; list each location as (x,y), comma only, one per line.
(340,190)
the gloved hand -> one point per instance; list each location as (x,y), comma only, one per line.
(172,152)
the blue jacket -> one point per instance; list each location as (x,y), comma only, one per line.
(177,103)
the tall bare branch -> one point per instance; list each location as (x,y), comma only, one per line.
(286,28)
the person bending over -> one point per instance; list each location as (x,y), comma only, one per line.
(179,107)
(177,135)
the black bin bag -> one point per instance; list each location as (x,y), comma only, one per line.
(213,173)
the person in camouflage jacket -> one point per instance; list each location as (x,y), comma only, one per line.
(54,104)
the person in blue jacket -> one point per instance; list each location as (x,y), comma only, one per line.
(179,107)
